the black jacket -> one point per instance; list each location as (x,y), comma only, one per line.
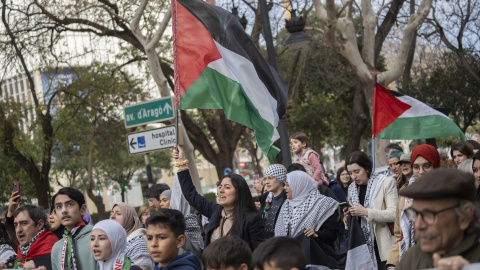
(253,230)
(262,199)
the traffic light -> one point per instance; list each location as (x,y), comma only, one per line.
(126,187)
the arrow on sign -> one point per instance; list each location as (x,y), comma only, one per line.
(132,143)
(167,107)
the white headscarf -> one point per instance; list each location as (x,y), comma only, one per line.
(118,239)
(307,208)
(301,185)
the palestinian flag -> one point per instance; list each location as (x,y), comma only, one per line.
(398,116)
(217,66)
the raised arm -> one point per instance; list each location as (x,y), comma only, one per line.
(204,206)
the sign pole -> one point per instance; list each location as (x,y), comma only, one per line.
(148,167)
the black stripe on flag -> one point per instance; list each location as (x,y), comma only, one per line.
(225,29)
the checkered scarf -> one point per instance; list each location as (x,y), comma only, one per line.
(406,225)
(277,171)
(307,208)
(373,188)
(24,250)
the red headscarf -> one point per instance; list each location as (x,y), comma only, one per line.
(428,152)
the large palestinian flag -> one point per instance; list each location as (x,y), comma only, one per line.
(398,116)
(217,66)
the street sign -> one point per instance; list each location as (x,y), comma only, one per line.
(149,112)
(152,140)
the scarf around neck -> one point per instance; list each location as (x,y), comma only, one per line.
(373,187)
(68,256)
(307,208)
(118,241)
(406,226)
(24,250)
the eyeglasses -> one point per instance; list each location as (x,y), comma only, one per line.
(425,167)
(428,216)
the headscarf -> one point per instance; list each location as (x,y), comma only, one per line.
(130,218)
(301,184)
(307,208)
(428,152)
(167,193)
(277,171)
(118,239)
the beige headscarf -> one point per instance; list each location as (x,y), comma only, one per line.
(130,218)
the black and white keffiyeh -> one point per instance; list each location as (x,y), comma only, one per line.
(373,188)
(24,250)
(307,208)
(136,248)
(278,171)
(406,225)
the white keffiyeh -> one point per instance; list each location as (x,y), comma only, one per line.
(307,208)
(406,225)
(373,188)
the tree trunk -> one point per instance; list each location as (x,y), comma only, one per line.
(123,194)
(359,121)
(97,200)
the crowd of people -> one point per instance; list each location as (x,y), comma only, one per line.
(417,215)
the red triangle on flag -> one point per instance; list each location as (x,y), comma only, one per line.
(195,47)
(386,109)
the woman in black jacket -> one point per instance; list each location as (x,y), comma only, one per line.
(235,213)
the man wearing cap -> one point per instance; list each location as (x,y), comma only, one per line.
(446,221)
(424,158)
(272,200)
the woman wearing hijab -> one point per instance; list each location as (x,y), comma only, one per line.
(108,240)
(308,215)
(136,248)
(373,199)
(235,213)
(165,198)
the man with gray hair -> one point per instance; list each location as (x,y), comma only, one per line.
(446,220)
(272,200)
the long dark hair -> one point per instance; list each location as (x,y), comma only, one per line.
(244,203)
(361,159)
(339,172)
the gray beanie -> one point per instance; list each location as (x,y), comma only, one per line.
(277,171)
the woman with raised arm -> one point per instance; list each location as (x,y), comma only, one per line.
(235,213)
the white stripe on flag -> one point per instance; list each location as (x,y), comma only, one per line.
(418,108)
(241,70)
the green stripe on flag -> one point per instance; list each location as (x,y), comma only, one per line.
(212,90)
(423,127)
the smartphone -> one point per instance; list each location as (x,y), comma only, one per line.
(256,178)
(344,204)
(16,188)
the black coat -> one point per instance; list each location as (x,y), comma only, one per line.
(253,230)
(262,199)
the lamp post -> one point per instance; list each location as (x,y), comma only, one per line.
(295,26)
(282,124)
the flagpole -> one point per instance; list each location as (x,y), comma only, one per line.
(373,137)
(177,112)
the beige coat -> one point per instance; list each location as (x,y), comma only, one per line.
(394,255)
(382,211)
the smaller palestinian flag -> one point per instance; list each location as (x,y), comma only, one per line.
(218,66)
(401,117)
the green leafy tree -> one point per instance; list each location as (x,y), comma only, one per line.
(452,86)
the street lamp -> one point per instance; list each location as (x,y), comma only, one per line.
(243,20)
(295,26)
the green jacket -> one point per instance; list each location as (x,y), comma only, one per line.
(469,249)
(83,255)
